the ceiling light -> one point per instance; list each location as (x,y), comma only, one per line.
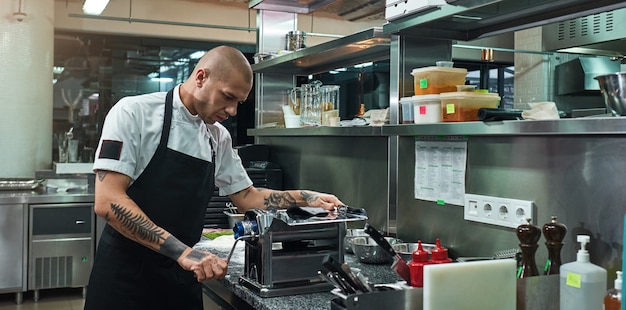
(197,55)
(363,65)
(94,7)
(162,79)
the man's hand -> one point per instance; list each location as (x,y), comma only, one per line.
(204,265)
(321,200)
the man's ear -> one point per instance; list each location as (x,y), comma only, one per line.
(201,75)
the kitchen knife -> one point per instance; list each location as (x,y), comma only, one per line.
(334,266)
(399,265)
(361,285)
(328,278)
(345,287)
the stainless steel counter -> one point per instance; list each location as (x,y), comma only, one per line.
(43,196)
(568,126)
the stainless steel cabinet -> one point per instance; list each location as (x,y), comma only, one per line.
(13,245)
(61,246)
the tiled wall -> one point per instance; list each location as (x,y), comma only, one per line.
(532,70)
(26,52)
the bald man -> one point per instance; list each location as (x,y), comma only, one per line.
(159,157)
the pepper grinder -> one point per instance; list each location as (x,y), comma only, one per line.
(528,235)
(554,233)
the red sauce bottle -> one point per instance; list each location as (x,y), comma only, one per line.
(420,258)
(440,254)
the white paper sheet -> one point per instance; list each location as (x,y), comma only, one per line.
(440,171)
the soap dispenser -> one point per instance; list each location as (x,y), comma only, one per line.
(582,284)
(613,298)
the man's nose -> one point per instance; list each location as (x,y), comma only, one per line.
(231,110)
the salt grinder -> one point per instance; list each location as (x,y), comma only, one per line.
(528,235)
(554,233)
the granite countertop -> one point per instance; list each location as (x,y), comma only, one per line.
(376,274)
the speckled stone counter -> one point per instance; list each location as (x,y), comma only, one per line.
(237,294)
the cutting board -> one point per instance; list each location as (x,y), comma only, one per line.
(484,285)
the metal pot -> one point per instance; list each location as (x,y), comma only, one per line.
(351,234)
(296,40)
(369,252)
(406,249)
(613,88)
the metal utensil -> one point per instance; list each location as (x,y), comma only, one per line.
(230,254)
(361,285)
(334,266)
(399,265)
(612,87)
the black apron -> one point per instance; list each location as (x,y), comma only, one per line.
(174,191)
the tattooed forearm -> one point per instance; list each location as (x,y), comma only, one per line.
(172,248)
(308,196)
(138,225)
(279,200)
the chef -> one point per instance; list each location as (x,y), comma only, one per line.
(159,157)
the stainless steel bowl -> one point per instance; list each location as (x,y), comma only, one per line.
(406,249)
(613,88)
(350,234)
(368,251)
(233,218)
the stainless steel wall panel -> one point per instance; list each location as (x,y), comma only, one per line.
(353,168)
(577,178)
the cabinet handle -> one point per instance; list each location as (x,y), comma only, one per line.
(80,222)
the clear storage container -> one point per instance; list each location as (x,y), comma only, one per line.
(406,104)
(464,106)
(436,80)
(427,109)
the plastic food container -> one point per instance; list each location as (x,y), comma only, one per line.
(463,106)
(407,109)
(436,80)
(427,109)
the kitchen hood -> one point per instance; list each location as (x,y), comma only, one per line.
(576,77)
(597,34)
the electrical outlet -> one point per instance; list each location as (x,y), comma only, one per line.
(499,211)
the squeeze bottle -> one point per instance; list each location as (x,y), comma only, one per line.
(420,258)
(613,298)
(582,284)
(440,254)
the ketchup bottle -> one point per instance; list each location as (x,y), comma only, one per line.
(440,254)
(420,258)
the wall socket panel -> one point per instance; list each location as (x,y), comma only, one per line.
(497,210)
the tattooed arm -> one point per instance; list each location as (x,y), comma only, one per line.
(252,197)
(124,215)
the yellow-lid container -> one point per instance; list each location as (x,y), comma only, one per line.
(464,106)
(436,80)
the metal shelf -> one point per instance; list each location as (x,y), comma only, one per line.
(466,20)
(562,127)
(368,45)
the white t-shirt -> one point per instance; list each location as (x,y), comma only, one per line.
(136,122)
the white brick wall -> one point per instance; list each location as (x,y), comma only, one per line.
(532,71)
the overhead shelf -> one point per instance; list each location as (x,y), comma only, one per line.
(369,45)
(466,20)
